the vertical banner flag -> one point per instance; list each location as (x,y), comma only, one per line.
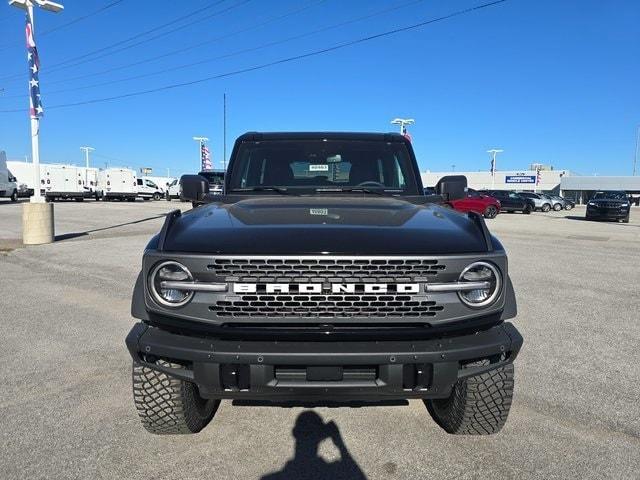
(405,134)
(537,176)
(493,164)
(205,156)
(35,104)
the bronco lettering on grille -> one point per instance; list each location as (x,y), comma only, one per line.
(318,288)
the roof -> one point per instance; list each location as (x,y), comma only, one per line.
(380,137)
(628,183)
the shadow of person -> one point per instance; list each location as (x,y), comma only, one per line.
(309,431)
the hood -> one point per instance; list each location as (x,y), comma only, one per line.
(314,225)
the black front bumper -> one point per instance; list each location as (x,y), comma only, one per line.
(324,371)
(597,213)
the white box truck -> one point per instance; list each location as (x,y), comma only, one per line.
(117,184)
(8,185)
(62,182)
(89,182)
(23,171)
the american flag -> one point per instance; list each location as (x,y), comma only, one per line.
(35,103)
(493,165)
(205,156)
(405,133)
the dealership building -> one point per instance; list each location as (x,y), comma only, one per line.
(559,182)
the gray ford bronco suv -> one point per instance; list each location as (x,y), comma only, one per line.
(323,274)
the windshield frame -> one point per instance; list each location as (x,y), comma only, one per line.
(406,162)
(611,195)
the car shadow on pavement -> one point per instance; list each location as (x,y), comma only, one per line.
(583,219)
(68,236)
(309,432)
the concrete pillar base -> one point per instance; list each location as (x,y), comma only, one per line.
(37,223)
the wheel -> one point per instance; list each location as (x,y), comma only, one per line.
(625,219)
(157,196)
(546,207)
(568,206)
(490,212)
(477,405)
(14,196)
(167,197)
(167,405)
(557,207)
(527,209)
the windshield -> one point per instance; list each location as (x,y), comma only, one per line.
(214,178)
(324,166)
(610,195)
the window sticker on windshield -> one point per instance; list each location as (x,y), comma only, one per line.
(320,167)
(319,211)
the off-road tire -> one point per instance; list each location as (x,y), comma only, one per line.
(491,212)
(167,405)
(477,405)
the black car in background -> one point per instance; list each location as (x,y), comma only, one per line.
(511,201)
(609,205)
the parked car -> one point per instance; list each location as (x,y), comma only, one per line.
(556,203)
(173,190)
(567,203)
(477,202)
(540,202)
(609,205)
(215,179)
(511,201)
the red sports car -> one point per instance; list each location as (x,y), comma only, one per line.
(476,202)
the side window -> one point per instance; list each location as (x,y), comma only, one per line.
(139,181)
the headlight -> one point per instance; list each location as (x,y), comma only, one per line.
(480,272)
(624,205)
(591,204)
(169,272)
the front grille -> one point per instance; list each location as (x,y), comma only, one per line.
(388,305)
(609,205)
(336,270)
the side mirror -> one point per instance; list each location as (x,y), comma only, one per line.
(193,188)
(452,187)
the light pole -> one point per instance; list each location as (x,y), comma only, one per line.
(200,141)
(403,122)
(86,161)
(37,216)
(635,157)
(493,152)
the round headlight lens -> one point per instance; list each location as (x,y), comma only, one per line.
(169,272)
(480,272)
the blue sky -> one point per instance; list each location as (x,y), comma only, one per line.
(548,81)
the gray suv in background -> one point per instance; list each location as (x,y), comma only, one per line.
(541,202)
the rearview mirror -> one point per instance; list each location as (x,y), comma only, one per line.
(193,188)
(452,187)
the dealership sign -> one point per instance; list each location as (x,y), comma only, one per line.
(520,179)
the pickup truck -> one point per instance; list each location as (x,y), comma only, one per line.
(323,274)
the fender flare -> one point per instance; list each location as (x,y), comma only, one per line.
(510,304)
(138,307)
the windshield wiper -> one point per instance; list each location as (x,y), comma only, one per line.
(281,190)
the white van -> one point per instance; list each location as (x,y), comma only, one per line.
(23,171)
(147,189)
(62,182)
(8,185)
(173,190)
(117,183)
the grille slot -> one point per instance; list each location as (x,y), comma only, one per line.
(360,270)
(326,306)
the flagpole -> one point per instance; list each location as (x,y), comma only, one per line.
(35,132)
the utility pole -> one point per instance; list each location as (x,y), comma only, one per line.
(201,141)
(37,216)
(86,163)
(493,152)
(403,122)
(635,157)
(86,154)
(224,132)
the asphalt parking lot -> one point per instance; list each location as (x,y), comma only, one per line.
(67,409)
